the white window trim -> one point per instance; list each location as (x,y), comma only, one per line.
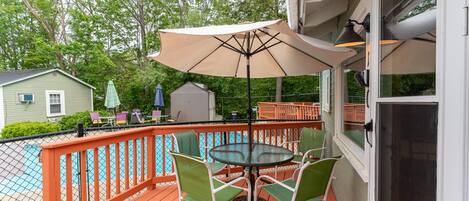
(325,90)
(62,103)
(357,156)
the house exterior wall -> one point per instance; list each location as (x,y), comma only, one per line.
(78,97)
(192,101)
(348,185)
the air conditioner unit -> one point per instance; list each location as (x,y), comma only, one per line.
(26,97)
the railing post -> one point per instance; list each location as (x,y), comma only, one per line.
(50,175)
(151,172)
(275,112)
(82,167)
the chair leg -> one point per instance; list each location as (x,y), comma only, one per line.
(275,172)
(228,170)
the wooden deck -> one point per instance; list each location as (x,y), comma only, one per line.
(170,193)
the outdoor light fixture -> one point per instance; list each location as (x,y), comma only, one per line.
(349,38)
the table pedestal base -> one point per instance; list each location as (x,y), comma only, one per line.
(245,197)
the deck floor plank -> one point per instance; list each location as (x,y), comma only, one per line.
(170,193)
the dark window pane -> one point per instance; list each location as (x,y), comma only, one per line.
(407,142)
(55,109)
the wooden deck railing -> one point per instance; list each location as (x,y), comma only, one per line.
(354,113)
(137,159)
(290,110)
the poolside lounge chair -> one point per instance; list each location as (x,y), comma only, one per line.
(175,118)
(187,143)
(196,182)
(312,182)
(155,116)
(121,118)
(136,117)
(95,118)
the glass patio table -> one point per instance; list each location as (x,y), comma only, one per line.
(261,155)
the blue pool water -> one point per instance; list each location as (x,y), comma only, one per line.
(30,177)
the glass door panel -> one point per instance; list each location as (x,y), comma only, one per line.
(407,144)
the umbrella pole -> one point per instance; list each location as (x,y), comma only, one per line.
(249,111)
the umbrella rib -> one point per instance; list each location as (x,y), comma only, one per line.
(239,58)
(241,46)
(299,50)
(392,51)
(278,64)
(272,37)
(267,47)
(207,56)
(232,48)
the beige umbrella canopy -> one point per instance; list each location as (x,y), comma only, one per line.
(274,51)
(257,50)
(412,56)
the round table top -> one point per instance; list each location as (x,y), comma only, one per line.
(262,155)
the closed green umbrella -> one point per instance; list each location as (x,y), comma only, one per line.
(112,99)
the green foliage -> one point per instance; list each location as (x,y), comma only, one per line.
(106,40)
(71,121)
(28,128)
(407,85)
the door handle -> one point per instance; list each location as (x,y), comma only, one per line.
(368,127)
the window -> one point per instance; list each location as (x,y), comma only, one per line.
(55,103)
(408,66)
(407,103)
(354,107)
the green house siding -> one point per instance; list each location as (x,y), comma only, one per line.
(77,97)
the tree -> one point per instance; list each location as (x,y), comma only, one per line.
(106,40)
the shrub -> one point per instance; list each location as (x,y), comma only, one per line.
(28,128)
(71,121)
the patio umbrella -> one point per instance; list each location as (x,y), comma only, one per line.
(159,103)
(112,99)
(256,50)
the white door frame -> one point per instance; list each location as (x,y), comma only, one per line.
(452,95)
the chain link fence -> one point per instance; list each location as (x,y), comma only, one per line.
(21,169)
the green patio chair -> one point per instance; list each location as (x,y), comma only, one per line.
(311,146)
(187,143)
(312,183)
(196,182)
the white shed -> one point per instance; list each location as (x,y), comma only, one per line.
(193,102)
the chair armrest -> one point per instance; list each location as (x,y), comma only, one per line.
(307,153)
(207,147)
(231,183)
(289,142)
(274,181)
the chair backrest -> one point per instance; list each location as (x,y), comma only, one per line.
(177,116)
(95,117)
(187,143)
(155,115)
(121,118)
(314,179)
(312,139)
(193,177)
(136,117)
